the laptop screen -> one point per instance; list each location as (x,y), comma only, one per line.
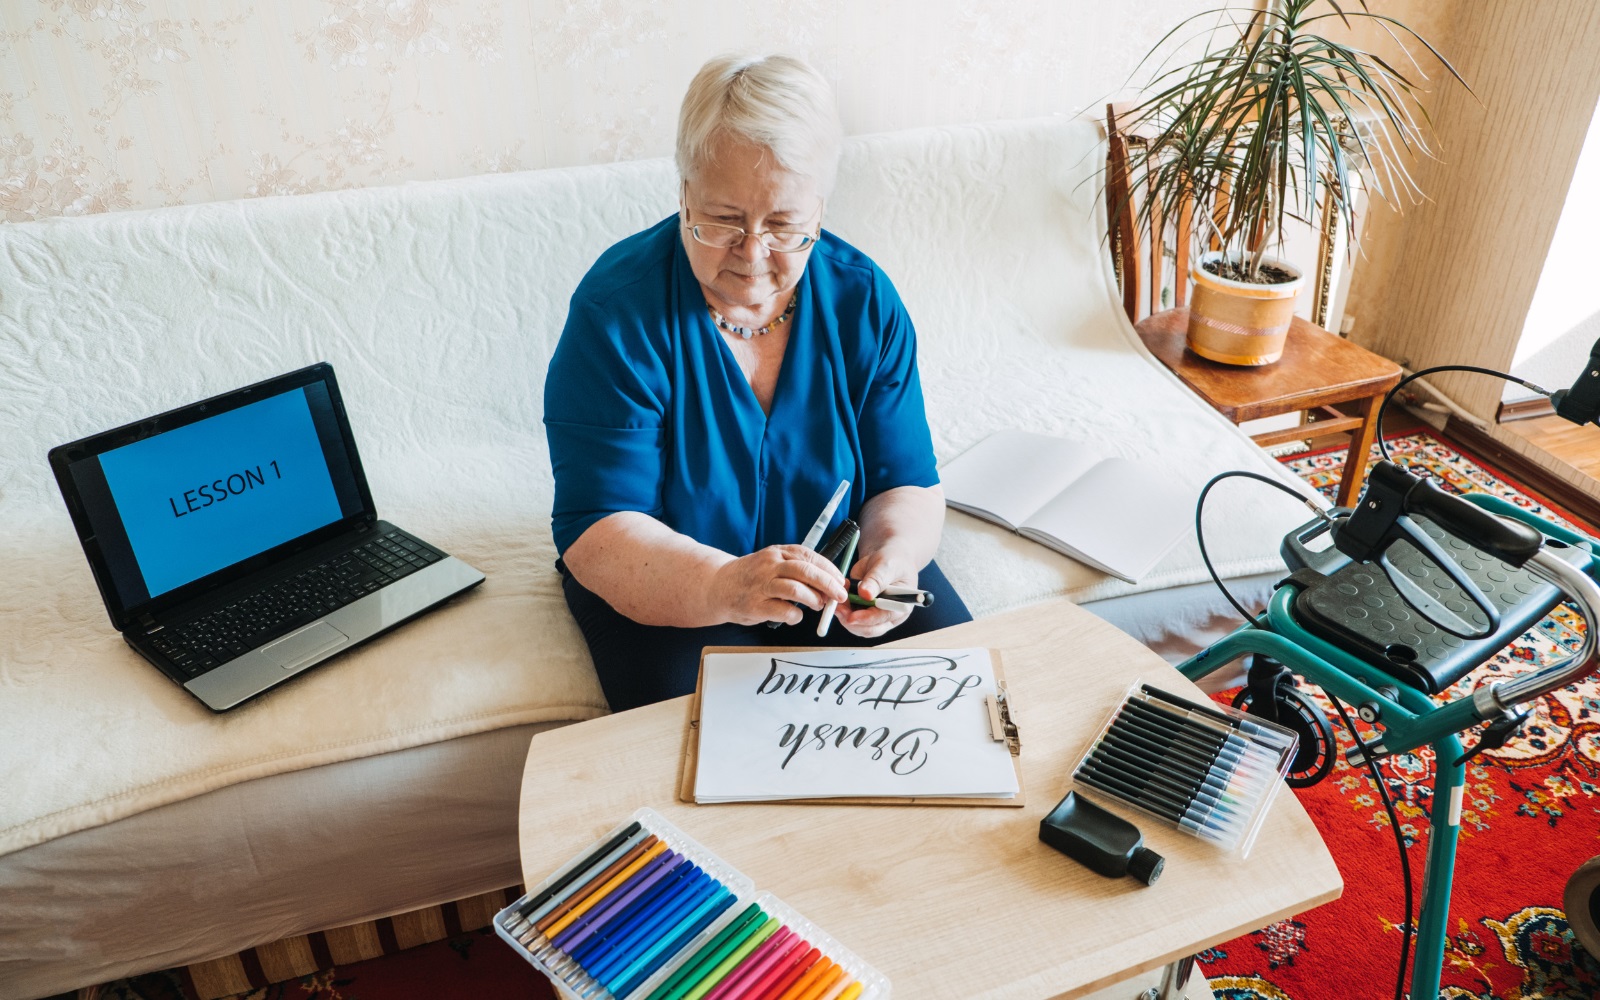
(203,495)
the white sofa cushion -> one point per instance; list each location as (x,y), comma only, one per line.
(438,305)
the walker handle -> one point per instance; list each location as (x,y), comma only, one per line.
(1493,700)
(1510,541)
(1380,518)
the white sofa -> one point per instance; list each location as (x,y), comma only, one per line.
(140,831)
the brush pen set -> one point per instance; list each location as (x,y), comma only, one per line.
(889,596)
(840,550)
(648,913)
(1208,770)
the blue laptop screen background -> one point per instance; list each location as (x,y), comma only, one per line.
(202,497)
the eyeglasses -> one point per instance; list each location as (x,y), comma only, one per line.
(722,237)
(713,234)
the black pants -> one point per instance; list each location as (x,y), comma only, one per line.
(641,664)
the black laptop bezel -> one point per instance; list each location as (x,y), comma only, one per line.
(63,456)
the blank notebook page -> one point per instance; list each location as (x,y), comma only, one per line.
(1011,474)
(1124,516)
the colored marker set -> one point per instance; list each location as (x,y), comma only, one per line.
(649,913)
(1208,770)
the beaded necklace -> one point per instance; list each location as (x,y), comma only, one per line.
(747,332)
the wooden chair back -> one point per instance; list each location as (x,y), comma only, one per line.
(1140,255)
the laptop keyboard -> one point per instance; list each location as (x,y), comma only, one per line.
(199,644)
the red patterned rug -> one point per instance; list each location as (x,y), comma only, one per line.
(1532,817)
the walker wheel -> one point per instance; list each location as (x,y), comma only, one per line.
(1315,753)
(1582,903)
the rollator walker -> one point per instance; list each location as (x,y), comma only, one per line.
(1412,589)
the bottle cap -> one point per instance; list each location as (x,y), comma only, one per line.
(1146,865)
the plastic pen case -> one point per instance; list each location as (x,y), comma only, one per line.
(648,913)
(1206,769)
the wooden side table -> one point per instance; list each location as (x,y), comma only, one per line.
(1318,373)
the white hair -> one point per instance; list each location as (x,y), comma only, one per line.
(777,102)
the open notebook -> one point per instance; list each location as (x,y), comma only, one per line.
(1113,514)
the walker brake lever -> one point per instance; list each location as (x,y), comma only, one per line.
(1380,519)
(1296,552)
(1496,734)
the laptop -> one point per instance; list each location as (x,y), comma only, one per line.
(235,541)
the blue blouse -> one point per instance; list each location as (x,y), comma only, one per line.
(646,408)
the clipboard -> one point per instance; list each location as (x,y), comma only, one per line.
(1002,726)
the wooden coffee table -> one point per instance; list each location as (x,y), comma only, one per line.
(1318,373)
(958,902)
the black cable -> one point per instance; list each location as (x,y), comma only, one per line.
(1399,841)
(1372,767)
(1200,534)
(1383,446)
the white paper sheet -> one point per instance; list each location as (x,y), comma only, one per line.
(849,723)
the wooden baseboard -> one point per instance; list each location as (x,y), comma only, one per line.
(1574,499)
(1524,409)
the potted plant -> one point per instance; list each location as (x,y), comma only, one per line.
(1274,116)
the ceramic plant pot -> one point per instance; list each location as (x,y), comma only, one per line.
(1236,322)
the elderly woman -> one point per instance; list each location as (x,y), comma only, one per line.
(719,375)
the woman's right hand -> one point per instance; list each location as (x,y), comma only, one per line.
(765,585)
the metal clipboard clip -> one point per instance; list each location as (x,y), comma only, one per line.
(1001,724)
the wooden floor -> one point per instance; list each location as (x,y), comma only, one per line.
(1578,446)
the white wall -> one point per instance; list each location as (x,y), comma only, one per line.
(1564,300)
(1557,364)
(118,104)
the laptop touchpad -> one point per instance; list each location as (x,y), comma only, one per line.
(293,650)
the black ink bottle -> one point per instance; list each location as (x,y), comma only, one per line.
(1100,840)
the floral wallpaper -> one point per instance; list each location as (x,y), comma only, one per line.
(121,104)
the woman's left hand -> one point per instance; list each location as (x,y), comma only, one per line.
(877,570)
